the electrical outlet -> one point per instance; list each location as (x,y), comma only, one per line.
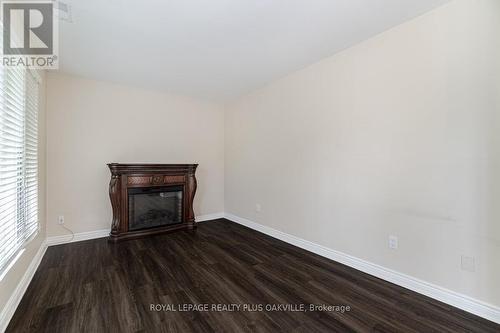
(393,242)
(258,208)
(468,263)
(60,219)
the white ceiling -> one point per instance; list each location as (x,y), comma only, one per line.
(217,49)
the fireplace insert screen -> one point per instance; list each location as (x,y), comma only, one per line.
(154,207)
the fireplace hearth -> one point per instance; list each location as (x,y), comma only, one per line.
(150,199)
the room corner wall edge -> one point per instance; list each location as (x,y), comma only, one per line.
(22,286)
(209,217)
(441,294)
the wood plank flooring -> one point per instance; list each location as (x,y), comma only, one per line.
(93,286)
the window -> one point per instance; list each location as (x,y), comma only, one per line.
(18,160)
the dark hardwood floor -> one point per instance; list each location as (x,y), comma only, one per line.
(94,286)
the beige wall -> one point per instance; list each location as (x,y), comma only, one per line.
(398,135)
(91,123)
(16,272)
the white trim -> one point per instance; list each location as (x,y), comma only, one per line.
(17,295)
(458,300)
(81,236)
(444,295)
(209,217)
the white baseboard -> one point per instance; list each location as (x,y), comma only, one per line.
(444,295)
(81,236)
(17,295)
(209,217)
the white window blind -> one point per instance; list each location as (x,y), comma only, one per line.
(18,160)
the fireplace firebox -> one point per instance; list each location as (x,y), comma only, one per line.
(154,207)
(151,199)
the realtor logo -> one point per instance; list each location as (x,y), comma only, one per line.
(29,34)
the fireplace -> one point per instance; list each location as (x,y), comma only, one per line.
(151,198)
(154,207)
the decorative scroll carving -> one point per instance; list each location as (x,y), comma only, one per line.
(192,184)
(114,195)
(157,180)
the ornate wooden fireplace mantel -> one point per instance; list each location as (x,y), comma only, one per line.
(130,177)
